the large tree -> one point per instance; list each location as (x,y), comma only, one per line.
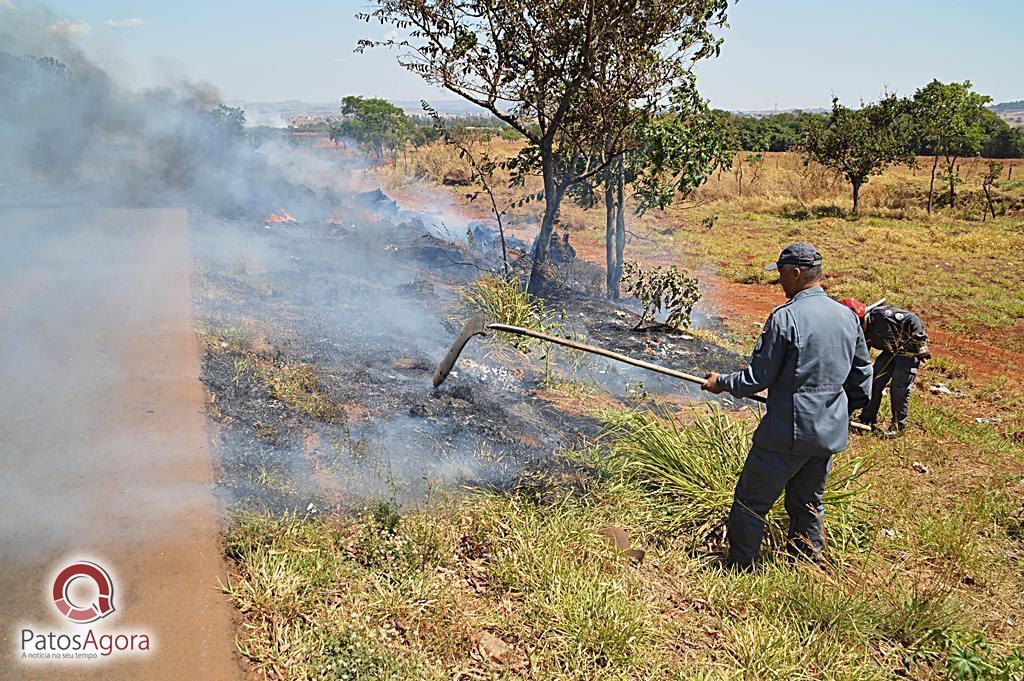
(375,124)
(948,123)
(859,143)
(570,75)
(675,154)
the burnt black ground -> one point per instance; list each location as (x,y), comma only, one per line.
(366,304)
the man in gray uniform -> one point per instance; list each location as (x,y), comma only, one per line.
(813,361)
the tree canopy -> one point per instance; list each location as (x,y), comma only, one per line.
(571,76)
(375,124)
(859,143)
(947,122)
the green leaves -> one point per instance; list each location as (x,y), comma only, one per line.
(678,151)
(375,124)
(947,119)
(859,143)
(658,288)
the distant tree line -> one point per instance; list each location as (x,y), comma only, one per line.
(383,129)
(777,132)
(787,132)
(947,121)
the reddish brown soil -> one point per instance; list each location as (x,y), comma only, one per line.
(105,457)
(753,302)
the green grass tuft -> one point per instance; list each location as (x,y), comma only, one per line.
(698,466)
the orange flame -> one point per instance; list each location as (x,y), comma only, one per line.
(280,216)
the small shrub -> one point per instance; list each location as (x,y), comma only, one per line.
(758,276)
(970,657)
(344,655)
(949,368)
(796,213)
(662,288)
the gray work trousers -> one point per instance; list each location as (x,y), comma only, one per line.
(765,476)
(902,371)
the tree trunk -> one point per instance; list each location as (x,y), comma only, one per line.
(856,199)
(952,182)
(988,204)
(620,225)
(504,246)
(931,185)
(609,232)
(552,199)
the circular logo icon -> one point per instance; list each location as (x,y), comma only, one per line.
(84,613)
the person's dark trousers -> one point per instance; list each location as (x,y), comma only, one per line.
(765,476)
(902,371)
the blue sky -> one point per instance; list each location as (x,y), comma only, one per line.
(777,53)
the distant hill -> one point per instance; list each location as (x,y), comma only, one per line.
(1011,112)
(1007,106)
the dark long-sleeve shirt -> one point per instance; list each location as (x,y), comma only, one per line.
(813,361)
(897,331)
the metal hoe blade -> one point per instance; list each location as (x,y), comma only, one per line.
(477,326)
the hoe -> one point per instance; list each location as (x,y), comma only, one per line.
(478,326)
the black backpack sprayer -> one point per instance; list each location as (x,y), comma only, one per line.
(478,326)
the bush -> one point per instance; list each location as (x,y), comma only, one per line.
(658,288)
(502,300)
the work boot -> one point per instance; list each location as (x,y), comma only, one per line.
(738,566)
(897,429)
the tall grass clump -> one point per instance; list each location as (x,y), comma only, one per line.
(502,299)
(698,464)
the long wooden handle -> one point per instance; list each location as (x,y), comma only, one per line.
(518,330)
(657,368)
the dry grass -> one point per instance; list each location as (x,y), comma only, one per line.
(425,594)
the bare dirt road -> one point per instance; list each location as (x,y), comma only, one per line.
(103,445)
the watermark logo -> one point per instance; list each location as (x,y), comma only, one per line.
(83,593)
(104,604)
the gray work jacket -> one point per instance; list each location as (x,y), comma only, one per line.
(813,361)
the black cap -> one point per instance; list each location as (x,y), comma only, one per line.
(801,254)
